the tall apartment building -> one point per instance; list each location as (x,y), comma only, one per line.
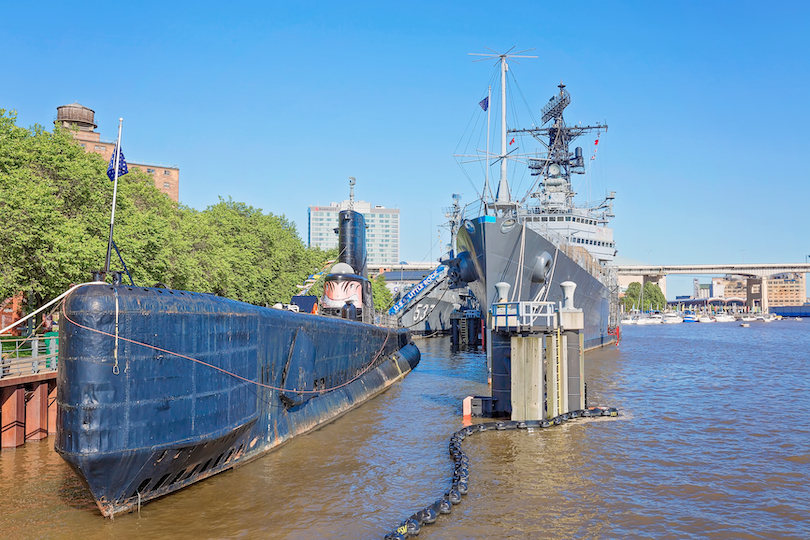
(167,178)
(382,232)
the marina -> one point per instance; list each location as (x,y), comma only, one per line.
(701,459)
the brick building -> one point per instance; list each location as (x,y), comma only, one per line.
(167,178)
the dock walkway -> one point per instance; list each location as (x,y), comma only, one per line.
(27,388)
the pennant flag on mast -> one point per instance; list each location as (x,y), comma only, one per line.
(122,166)
(484,103)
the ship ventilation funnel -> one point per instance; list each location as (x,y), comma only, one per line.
(502,289)
(568,288)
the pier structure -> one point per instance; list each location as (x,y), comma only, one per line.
(538,358)
(27,389)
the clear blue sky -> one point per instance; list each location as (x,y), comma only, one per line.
(276,104)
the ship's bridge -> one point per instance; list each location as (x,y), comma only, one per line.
(583,230)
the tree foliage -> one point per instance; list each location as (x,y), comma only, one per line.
(383,299)
(55,202)
(654,299)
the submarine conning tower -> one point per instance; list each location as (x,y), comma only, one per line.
(352,241)
(348,281)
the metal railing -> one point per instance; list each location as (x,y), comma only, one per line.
(385,320)
(523,315)
(27,356)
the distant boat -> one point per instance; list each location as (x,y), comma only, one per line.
(655,318)
(690,316)
(672,318)
(705,319)
(724,317)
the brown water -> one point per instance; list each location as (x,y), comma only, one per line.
(713,442)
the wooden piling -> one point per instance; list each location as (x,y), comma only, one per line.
(527,377)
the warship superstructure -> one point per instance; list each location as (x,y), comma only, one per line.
(539,240)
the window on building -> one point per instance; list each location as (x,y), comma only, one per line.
(166,184)
(166,173)
(150,171)
(101,148)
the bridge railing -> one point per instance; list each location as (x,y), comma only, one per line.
(28,355)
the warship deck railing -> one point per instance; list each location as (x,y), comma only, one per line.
(523,316)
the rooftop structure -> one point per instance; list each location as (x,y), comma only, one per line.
(75,115)
(382,234)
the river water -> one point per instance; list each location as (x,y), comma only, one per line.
(713,441)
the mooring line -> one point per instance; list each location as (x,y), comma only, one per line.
(225,371)
(428,515)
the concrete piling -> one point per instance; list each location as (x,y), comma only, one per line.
(537,357)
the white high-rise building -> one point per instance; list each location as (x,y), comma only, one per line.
(382,233)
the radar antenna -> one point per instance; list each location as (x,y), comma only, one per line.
(559,163)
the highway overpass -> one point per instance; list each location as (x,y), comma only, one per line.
(753,270)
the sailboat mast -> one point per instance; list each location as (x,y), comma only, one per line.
(503,184)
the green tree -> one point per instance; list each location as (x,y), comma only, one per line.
(654,299)
(55,202)
(383,299)
(241,253)
(51,203)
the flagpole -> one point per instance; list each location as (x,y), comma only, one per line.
(115,193)
(486,182)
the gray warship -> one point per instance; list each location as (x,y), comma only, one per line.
(428,307)
(543,238)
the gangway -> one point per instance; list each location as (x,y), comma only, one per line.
(430,282)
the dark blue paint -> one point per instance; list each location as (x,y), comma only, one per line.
(164,422)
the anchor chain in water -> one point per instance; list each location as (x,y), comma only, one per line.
(428,515)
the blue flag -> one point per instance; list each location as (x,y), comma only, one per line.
(484,103)
(122,166)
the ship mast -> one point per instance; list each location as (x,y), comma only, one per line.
(556,192)
(502,195)
(503,200)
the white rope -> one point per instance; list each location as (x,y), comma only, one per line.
(551,275)
(518,288)
(49,304)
